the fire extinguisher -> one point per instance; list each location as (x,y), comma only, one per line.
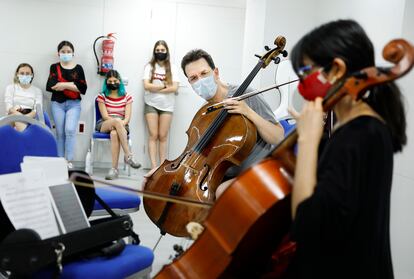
(107,59)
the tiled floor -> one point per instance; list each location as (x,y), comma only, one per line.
(143,226)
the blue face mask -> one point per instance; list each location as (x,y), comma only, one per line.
(206,87)
(65,57)
(24,79)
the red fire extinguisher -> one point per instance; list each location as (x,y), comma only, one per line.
(107,59)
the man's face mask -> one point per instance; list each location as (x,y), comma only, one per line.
(314,85)
(206,87)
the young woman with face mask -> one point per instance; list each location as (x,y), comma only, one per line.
(160,83)
(21,96)
(67,83)
(341,197)
(115,107)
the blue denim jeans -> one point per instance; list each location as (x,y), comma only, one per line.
(66,116)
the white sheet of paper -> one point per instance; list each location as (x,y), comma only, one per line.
(59,175)
(26,199)
(55,168)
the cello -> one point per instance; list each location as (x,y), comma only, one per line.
(216,141)
(252,217)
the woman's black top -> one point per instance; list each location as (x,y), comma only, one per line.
(76,75)
(342,230)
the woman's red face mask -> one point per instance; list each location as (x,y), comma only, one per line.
(314,85)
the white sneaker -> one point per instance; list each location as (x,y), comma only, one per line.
(112,174)
(131,162)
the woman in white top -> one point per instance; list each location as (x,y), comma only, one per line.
(21,96)
(160,83)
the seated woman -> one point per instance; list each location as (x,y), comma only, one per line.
(21,96)
(115,107)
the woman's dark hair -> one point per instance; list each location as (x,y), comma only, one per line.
(115,74)
(167,64)
(194,55)
(347,40)
(21,65)
(65,43)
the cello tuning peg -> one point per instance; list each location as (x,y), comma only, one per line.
(258,56)
(284,53)
(267,48)
(276,60)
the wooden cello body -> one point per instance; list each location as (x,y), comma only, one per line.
(252,217)
(233,244)
(197,174)
(216,141)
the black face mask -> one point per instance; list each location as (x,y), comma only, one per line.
(112,86)
(160,56)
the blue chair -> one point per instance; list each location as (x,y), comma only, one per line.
(45,119)
(288,124)
(102,137)
(37,140)
(131,259)
(117,201)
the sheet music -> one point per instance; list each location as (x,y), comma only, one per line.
(26,200)
(65,201)
(69,207)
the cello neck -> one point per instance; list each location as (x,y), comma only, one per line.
(242,88)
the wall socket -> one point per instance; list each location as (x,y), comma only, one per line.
(81,127)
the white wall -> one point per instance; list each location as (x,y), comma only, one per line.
(402,222)
(214,26)
(270,19)
(265,19)
(31,30)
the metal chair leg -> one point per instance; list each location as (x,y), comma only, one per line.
(130,149)
(92,156)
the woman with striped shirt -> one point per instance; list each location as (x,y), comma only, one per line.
(115,107)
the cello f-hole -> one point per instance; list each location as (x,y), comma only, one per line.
(204,188)
(175,166)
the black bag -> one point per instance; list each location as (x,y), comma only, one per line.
(22,252)
(25,111)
